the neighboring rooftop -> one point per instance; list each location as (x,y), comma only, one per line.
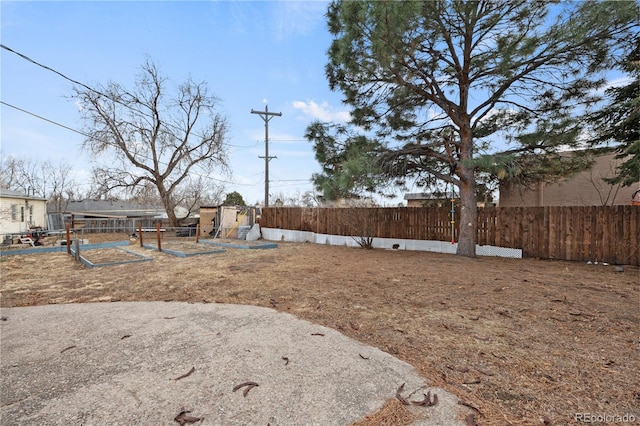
(8,193)
(113,208)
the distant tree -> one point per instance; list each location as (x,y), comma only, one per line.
(24,175)
(298,199)
(100,189)
(151,136)
(233,199)
(307,199)
(197,193)
(8,172)
(619,121)
(40,179)
(146,194)
(438,84)
(60,186)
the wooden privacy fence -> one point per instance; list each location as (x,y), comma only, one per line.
(599,233)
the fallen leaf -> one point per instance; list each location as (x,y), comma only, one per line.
(184,417)
(427,402)
(186,374)
(249,386)
(471,420)
(399,395)
(67,348)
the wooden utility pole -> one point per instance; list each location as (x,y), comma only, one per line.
(266,116)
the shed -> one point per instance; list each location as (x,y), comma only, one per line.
(208,220)
(230,221)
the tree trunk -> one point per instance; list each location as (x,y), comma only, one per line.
(468,219)
(468,205)
(171,214)
(168,204)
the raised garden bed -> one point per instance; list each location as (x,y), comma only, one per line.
(184,249)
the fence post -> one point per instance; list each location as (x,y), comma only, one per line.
(68,228)
(140,234)
(158,235)
(77,254)
(198,232)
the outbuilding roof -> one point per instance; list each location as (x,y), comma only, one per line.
(8,193)
(115,209)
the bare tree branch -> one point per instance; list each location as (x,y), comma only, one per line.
(154,136)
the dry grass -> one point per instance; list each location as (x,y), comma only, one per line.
(392,413)
(521,340)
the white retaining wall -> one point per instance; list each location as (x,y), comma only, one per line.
(273,234)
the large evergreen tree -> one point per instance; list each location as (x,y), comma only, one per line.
(619,121)
(349,162)
(439,84)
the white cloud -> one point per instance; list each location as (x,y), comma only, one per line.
(615,82)
(622,81)
(280,19)
(292,18)
(322,111)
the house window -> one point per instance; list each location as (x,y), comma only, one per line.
(21,213)
(14,212)
(30,214)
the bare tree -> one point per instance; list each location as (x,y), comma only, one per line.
(8,172)
(297,199)
(150,136)
(45,180)
(307,199)
(146,194)
(60,186)
(24,175)
(196,193)
(601,182)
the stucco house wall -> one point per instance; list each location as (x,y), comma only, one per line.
(584,189)
(19,212)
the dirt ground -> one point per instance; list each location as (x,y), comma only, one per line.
(520,341)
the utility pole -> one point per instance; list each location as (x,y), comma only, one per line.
(266,116)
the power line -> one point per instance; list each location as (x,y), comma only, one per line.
(28,59)
(84,134)
(91,89)
(45,119)
(289,185)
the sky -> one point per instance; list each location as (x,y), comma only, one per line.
(250,53)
